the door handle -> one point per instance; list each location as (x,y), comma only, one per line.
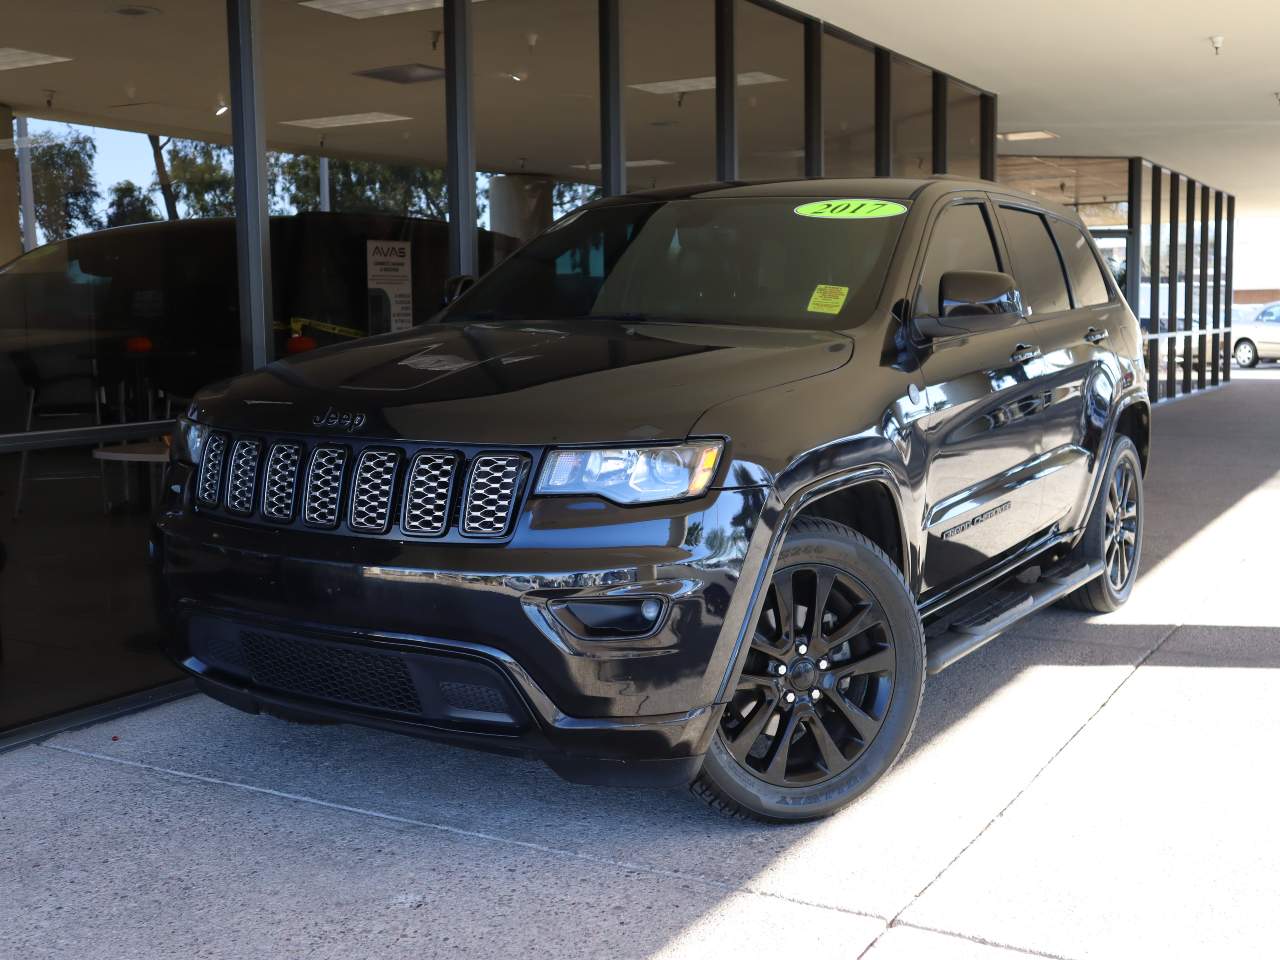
(1023,352)
(1095,335)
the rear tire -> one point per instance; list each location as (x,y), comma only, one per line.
(776,760)
(1246,353)
(1114,533)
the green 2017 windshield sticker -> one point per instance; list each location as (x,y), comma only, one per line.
(851,209)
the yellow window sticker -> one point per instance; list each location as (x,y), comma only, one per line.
(827,298)
(851,209)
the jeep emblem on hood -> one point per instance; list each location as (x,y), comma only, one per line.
(350,422)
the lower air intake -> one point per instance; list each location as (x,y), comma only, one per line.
(361,678)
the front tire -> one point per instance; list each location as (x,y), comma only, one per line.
(800,743)
(1246,353)
(1114,533)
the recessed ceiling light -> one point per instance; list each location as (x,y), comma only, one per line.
(1016,135)
(11,58)
(137,10)
(630,163)
(750,79)
(367,9)
(346,120)
(221,108)
(404,73)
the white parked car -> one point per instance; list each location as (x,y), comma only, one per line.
(1259,338)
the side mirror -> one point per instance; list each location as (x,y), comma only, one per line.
(456,286)
(973,301)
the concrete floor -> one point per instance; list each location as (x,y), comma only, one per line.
(1082,787)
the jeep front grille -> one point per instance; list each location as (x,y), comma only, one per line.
(324,486)
(209,484)
(372,490)
(367,488)
(491,492)
(242,476)
(280,481)
(426,493)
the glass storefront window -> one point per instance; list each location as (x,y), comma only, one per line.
(912,99)
(668,92)
(354,108)
(537,111)
(770,93)
(848,108)
(126,303)
(1096,188)
(964,131)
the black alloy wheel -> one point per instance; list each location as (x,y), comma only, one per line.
(1113,536)
(818,678)
(1121,529)
(830,684)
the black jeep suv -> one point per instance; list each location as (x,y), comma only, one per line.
(694,488)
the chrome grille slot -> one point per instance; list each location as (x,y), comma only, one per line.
(426,493)
(280,481)
(324,486)
(492,488)
(242,476)
(372,490)
(215,455)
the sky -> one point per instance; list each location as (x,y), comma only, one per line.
(121,155)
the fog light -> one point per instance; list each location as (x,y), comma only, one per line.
(611,618)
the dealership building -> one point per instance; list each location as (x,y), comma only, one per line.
(192,188)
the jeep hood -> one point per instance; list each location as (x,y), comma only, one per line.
(537,383)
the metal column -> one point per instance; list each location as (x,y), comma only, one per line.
(726,93)
(1171,344)
(813,132)
(1215,377)
(884,112)
(1229,286)
(1203,339)
(460,177)
(988,105)
(1189,288)
(1153,345)
(613,167)
(253,225)
(940,91)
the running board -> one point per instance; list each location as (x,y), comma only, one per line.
(994,613)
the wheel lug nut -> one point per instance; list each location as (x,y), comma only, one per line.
(780,669)
(802,649)
(791,697)
(816,694)
(822,664)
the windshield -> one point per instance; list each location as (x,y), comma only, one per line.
(731,261)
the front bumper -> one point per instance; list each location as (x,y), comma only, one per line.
(462,641)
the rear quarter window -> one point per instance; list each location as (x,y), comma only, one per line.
(1087,280)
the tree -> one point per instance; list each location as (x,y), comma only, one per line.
(358,186)
(162,176)
(66,193)
(567,196)
(129,203)
(201,178)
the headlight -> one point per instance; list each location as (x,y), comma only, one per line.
(187,445)
(633,474)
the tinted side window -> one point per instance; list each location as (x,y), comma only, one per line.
(1035,262)
(1087,281)
(961,241)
